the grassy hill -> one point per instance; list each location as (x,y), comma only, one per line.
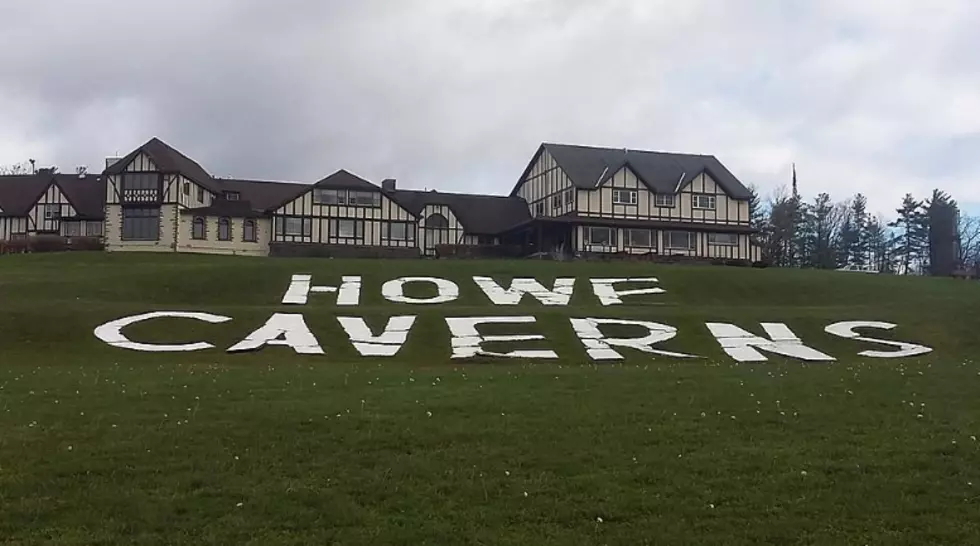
(103,445)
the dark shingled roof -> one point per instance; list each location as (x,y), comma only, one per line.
(86,195)
(588,167)
(264,195)
(479,214)
(224,207)
(167,160)
(343,179)
(19,193)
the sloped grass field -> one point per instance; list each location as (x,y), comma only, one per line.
(102,445)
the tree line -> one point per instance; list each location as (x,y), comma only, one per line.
(927,236)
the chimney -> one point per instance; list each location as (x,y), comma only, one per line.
(110,161)
(388,184)
(81,171)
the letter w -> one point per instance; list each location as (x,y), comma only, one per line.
(560,295)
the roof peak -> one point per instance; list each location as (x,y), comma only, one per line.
(626,150)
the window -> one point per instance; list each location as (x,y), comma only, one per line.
(364,198)
(723,239)
(701,201)
(93,229)
(325,197)
(640,238)
(346,229)
(601,236)
(73,229)
(140,181)
(200,194)
(187,188)
(52,211)
(248,231)
(346,197)
(142,224)
(224,229)
(231,195)
(662,200)
(569,197)
(539,209)
(294,226)
(398,231)
(436,221)
(556,201)
(680,240)
(199,228)
(624,197)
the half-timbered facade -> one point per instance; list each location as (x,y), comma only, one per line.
(573,200)
(49,203)
(603,200)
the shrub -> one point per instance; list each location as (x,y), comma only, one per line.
(86,243)
(48,243)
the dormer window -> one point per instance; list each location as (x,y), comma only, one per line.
(231,195)
(624,197)
(663,200)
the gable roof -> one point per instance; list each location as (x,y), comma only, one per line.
(479,214)
(588,167)
(168,160)
(263,195)
(344,179)
(19,193)
(86,194)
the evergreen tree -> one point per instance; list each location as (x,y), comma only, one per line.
(879,245)
(757,217)
(942,219)
(858,250)
(823,232)
(912,233)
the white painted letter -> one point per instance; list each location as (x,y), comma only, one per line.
(111,332)
(520,286)
(290,327)
(387,344)
(608,295)
(466,339)
(599,346)
(300,288)
(394,290)
(742,345)
(846,330)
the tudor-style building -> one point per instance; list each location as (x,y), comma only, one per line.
(600,200)
(573,200)
(46,203)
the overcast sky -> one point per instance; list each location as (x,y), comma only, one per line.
(873,96)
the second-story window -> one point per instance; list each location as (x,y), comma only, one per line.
(569,197)
(231,195)
(624,197)
(539,208)
(556,201)
(702,201)
(663,200)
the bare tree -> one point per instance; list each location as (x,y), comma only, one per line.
(969,248)
(17,168)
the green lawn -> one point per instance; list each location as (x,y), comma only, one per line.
(102,445)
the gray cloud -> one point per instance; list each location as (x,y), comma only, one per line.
(879,97)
